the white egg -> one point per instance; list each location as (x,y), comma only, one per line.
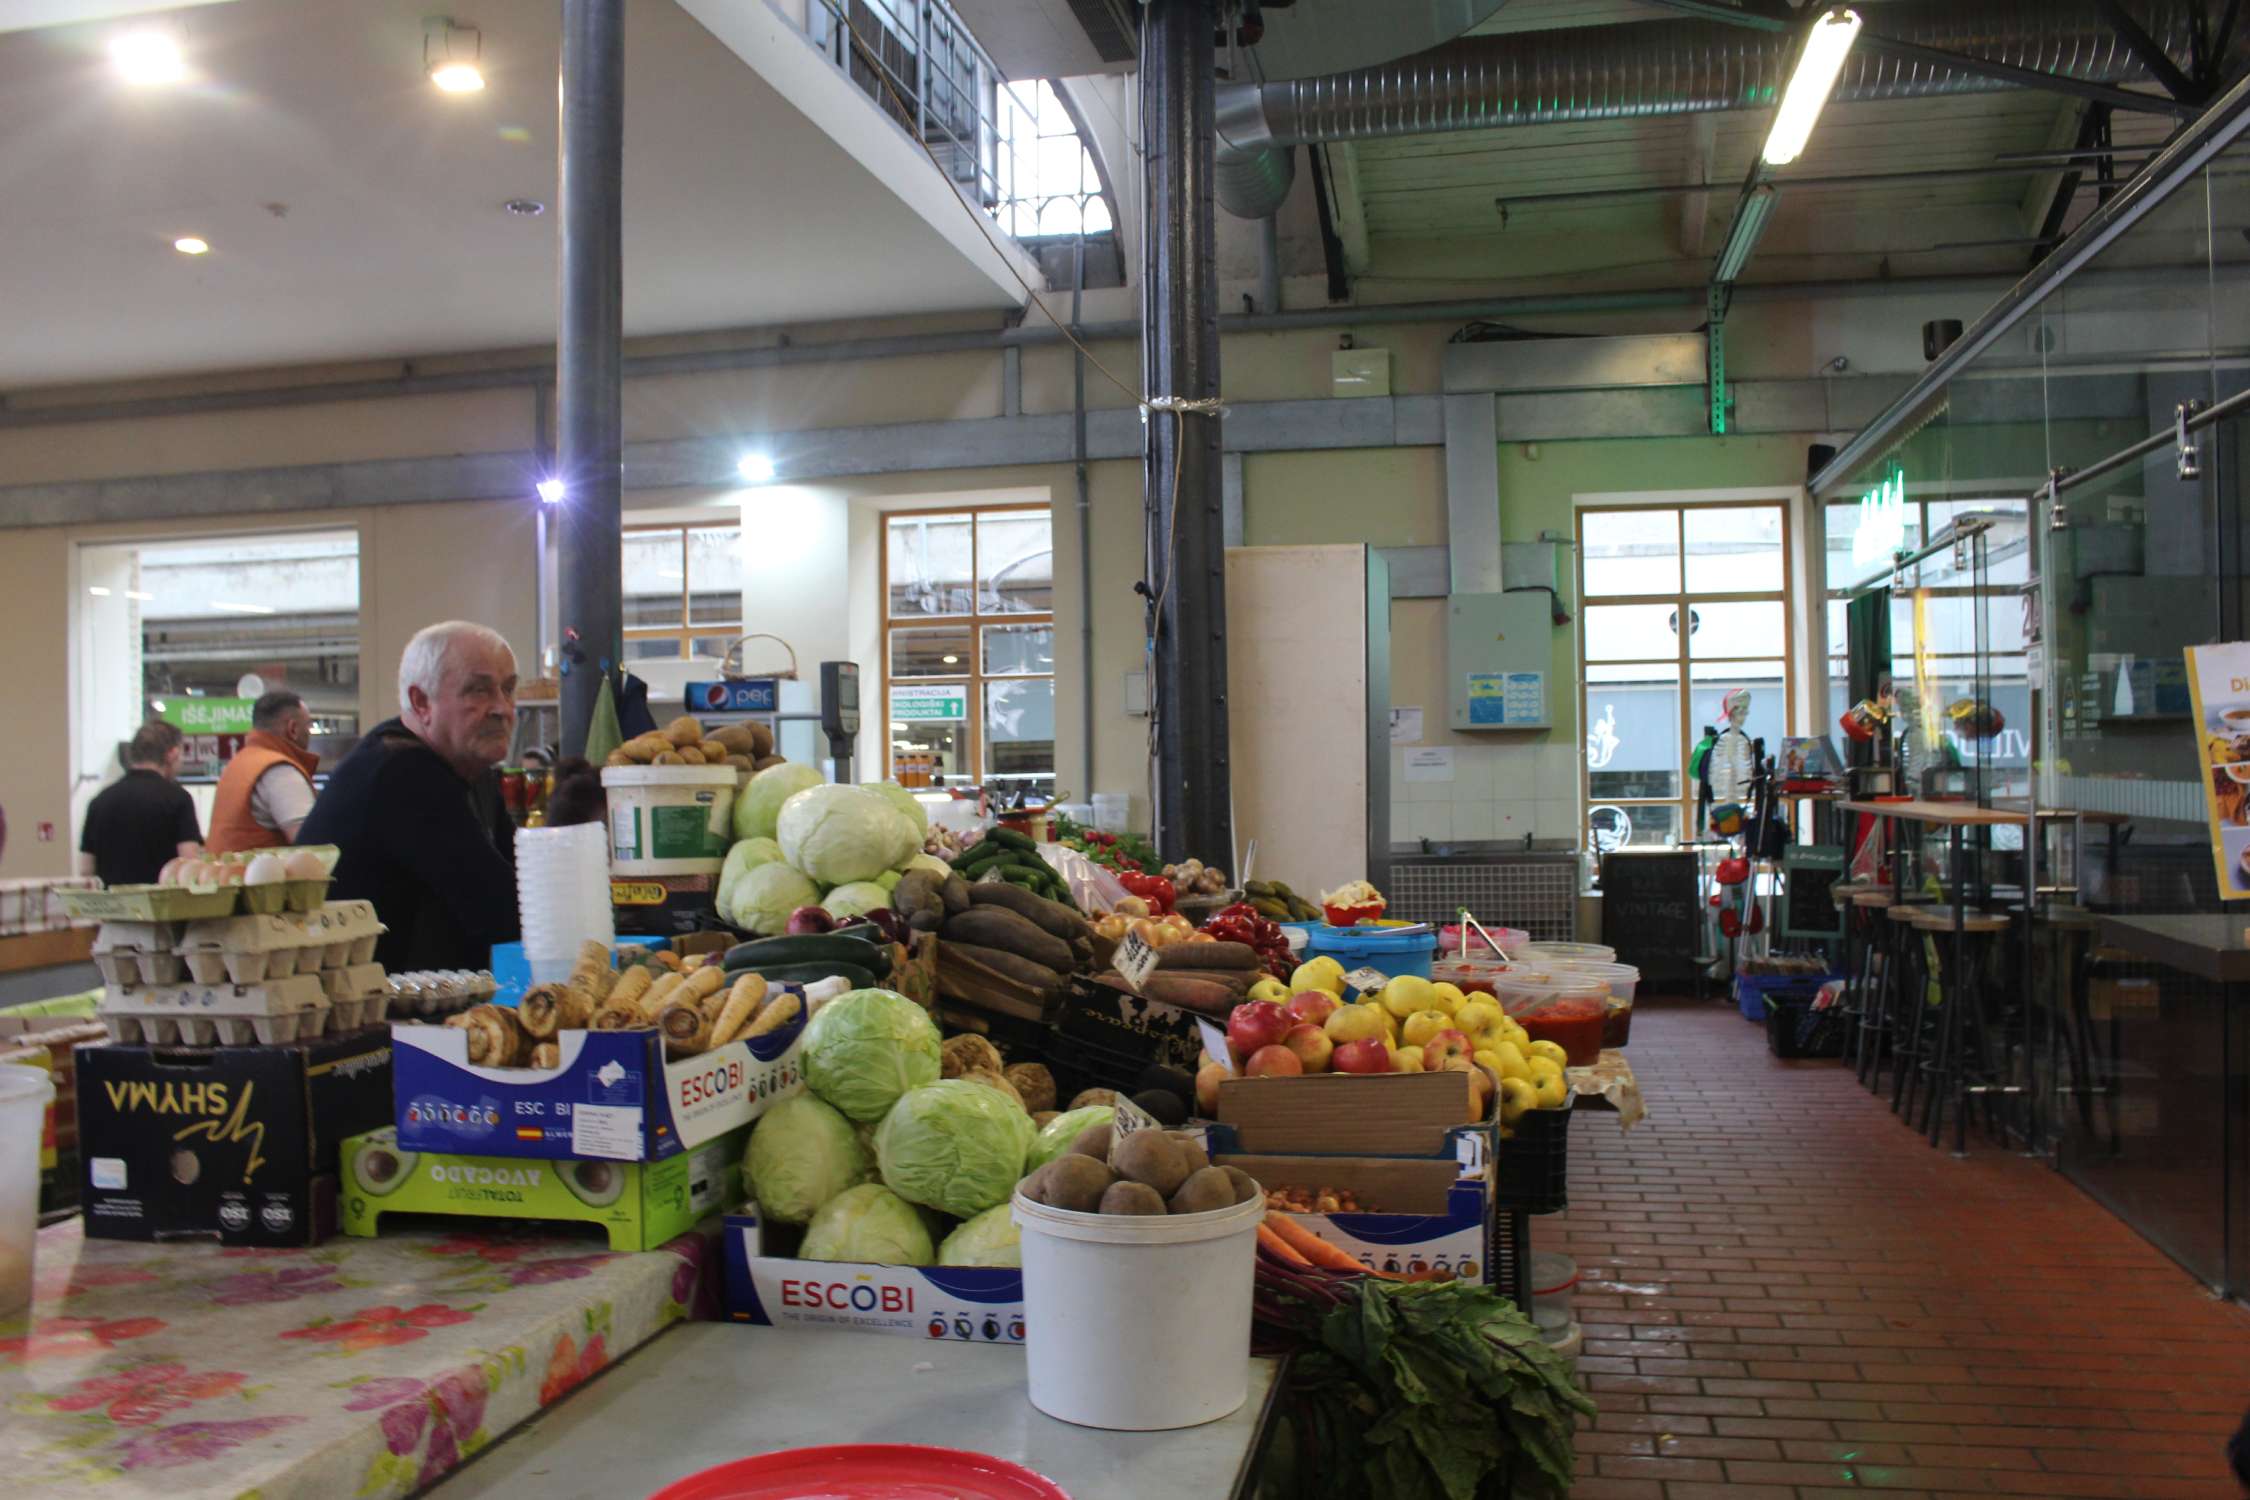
(170,874)
(227,873)
(306,865)
(265,870)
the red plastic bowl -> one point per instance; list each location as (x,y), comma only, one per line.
(1352,916)
(866,1471)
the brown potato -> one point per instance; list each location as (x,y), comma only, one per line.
(1131,1198)
(713,752)
(690,755)
(765,762)
(668,758)
(684,731)
(1073,1182)
(739,762)
(1204,1191)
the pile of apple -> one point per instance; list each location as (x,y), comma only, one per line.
(1411,1025)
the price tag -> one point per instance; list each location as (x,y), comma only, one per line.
(1365,980)
(1215,1043)
(606,1130)
(1136,960)
(1130,1117)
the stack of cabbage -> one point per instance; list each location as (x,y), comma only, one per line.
(884,1160)
(802,842)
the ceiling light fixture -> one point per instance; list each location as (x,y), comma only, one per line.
(949,660)
(147,57)
(137,594)
(243,609)
(1749,223)
(1827,43)
(98,591)
(453,54)
(525,208)
(755,467)
(188,244)
(551,491)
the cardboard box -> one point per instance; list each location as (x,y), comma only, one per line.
(236,1143)
(1437,1215)
(613,1096)
(770,1287)
(639,1204)
(1379,1114)
(1129,1025)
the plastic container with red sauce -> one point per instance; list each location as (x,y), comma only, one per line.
(1508,939)
(1472,975)
(1567,1009)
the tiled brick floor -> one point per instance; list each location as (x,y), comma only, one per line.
(1787,1294)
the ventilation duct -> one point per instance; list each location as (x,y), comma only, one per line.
(1653,68)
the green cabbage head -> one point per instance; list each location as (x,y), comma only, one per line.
(757,805)
(954,1146)
(868,1223)
(1055,1136)
(741,860)
(903,800)
(866,1047)
(856,899)
(839,834)
(765,896)
(802,1153)
(989,1239)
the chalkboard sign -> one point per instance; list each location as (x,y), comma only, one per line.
(1652,912)
(1807,873)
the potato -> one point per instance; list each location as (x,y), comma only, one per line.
(1131,1198)
(1204,1191)
(739,762)
(767,762)
(618,757)
(689,755)
(1154,1158)
(1197,1158)
(684,731)
(713,752)
(1071,1182)
(1092,1141)
(1245,1186)
(738,739)
(668,758)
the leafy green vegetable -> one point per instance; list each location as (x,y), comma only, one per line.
(839,834)
(954,1146)
(989,1239)
(868,1223)
(803,1153)
(758,807)
(1055,1137)
(866,1047)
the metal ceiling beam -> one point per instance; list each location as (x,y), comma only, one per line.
(1860,179)
(2143,46)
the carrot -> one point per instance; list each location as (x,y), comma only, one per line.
(1317,1250)
(1280,1247)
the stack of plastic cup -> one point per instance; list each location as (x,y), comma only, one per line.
(25,1093)
(562,895)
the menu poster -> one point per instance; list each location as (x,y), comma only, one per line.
(2219,682)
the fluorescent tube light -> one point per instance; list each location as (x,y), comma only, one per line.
(1749,223)
(1827,44)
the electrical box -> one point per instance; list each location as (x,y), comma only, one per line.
(1497,651)
(1360,372)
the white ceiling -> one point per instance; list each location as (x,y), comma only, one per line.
(355,212)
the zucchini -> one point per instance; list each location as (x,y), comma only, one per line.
(803,974)
(810,948)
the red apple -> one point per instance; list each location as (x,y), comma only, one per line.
(1256,1023)
(1275,1061)
(1207,1081)
(1314,1006)
(1311,1045)
(1439,1052)
(1372,1055)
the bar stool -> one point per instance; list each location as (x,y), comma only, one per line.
(1907,1018)
(1870,979)
(1964,1060)
(1840,895)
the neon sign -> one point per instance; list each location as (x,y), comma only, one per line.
(1882,521)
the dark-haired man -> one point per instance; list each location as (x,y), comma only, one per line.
(144,820)
(267,787)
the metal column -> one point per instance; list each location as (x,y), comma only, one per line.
(588,416)
(1186,575)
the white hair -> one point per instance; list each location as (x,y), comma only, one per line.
(424,661)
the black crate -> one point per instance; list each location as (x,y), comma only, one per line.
(1533,1172)
(1107,1020)
(1508,1250)
(1795,1029)
(1078,1067)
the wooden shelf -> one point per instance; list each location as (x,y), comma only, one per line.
(45,950)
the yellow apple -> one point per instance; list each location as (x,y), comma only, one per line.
(1511,1030)
(1407,1060)
(1322,973)
(1354,1023)
(1449,997)
(1547,1078)
(1482,1059)
(1407,994)
(1270,988)
(1552,1051)
(1516,1097)
(1510,1061)
(1483,1021)
(1424,1024)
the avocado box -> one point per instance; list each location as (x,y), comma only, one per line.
(612,1096)
(639,1205)
(768,1286)
(233,1143)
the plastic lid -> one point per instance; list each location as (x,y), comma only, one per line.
(666,776)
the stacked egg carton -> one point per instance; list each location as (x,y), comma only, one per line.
(434,994)
(265,977)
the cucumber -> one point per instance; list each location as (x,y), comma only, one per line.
(810,948)
(985,849)
(989,862)
(1013,839)
(802,974)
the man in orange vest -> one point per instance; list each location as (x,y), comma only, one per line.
(267,787)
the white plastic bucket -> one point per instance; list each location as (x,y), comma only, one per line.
(1112,811)
(669,820)
(1138,1324)
(25,1093)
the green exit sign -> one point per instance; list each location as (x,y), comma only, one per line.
(937,703)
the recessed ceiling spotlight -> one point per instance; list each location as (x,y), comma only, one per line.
(147,57)
(452,54)
(525,208)
(755,467)
(188,244)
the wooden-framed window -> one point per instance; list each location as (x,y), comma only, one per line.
(683,590)
(968,679)
(1679,605)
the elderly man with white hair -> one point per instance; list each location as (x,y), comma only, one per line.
(415,807)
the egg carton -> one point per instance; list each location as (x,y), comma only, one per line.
(248,949)
(440,992)
(354,982)
(131,954)
(347,931)
(280,1010)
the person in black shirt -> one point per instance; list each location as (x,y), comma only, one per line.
(415,807)
(144,820)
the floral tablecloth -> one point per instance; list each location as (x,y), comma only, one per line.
(362,1368)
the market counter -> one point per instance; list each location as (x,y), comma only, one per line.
(714,1392)
(363,1368)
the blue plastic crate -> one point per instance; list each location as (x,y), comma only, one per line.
(1751,991)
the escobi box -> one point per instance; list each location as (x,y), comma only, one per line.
(966,1304)
(613,1096)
